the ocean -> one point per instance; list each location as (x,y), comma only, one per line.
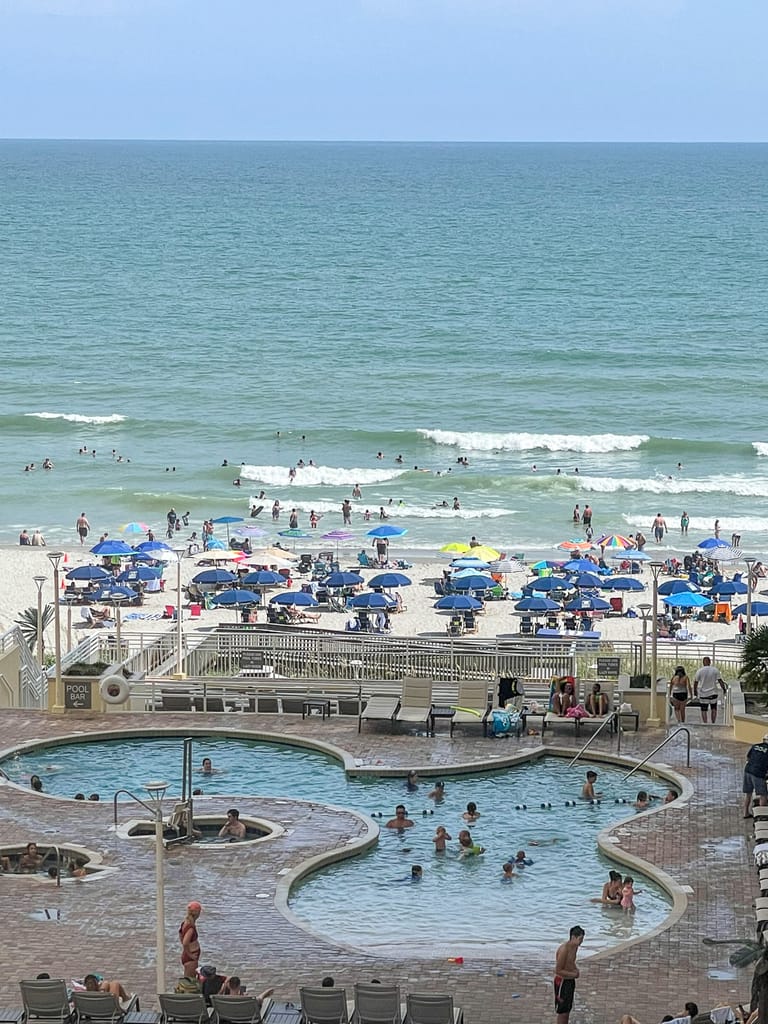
(590,308)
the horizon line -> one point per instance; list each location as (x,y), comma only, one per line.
(396,142)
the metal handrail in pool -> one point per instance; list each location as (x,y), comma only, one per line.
(133,797)
(613,717)
(683,728)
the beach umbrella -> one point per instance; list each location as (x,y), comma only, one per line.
(484,552)
(467,562)
(295,534)
(296,597)
(458,603)
(149,547)
(507,566)
(271,554)
(386,530)
(112,549)
(587,581)
(88,572)
(388,580)
(726,554)
(262,578)
(218,555)
(109,594)
(134,528)
(474,582)
(728,588)
(235,598)
(678,587)
(338,537)
(711,543)
(455,548)
(342,579)
(545,564)
(588,604)
(259,561)
(226,521)
(580,565)
(575,545)
(374,601)
(622,583)
(614,540)
(140,572)
(758,608)
(631,556)
(215,576)
(688,600)
(537,604)
(541,584)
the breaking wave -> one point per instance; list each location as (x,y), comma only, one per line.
(524,442)
(75,417)
(316,476)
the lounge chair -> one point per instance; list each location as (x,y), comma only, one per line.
(377,1004)
(365,561)
(239,1009)
(46,1000)
(324,1006)
(101,1007)
(416,701)
(379,708)
(184,1009)
(428,1009)
(306,563)
(470,622)
(473,705)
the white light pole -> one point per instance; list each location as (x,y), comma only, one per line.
(750,566)
(655,568)
(644,609)
(180,674)
(39,581)
(56,558)
(116,600)
(156,792)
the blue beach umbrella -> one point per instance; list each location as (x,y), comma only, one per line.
(389,580)
(587,581)
(385,530)
(235,598)
(263,578)
(622,583)
(112,593)
(546,564)
(297,597)
(144,573)
(688,601)
(729,588)
(152,546)
(537,604)
(375,601)
(588,604)
(342,579)
(458,603)
(669,587)
(88,572)
(474,582)
(113,549)
(226,520)
(470,563)
(711,543)
(758,608)
(542,584)
(215,576)
(580,565)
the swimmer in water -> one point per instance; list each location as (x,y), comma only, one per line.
(467,847)
(588,789)
(521,861)
(207,767)
(471,814)
(440,838)
(412,781)
(438,793)
(507,872)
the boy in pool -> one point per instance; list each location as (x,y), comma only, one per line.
(471,814)
(507,872)
(440,838)
(467,847)
(438,793)
(588,789)
(521,861)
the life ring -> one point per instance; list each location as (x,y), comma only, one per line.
(114,690)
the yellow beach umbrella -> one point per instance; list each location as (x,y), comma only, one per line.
(484,553)
(456,548)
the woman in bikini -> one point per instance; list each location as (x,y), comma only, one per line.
(190,944)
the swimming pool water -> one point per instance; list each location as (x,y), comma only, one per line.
(369,900)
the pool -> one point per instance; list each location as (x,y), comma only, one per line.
(369,901)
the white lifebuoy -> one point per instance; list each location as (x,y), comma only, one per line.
(114,690)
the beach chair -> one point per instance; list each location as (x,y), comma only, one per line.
(306,564)
(324,1006)
(526,626)
(239,1009)
(455,626)
(429,1009)
(101,1007)
(377,1004)
(380,707)
(416,701)
(470,622)
(184,1009)
(473,705)
(46,1000)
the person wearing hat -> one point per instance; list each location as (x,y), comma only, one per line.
(190,943)
(211,982)
(755,772)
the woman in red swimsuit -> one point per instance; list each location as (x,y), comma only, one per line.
(190,945)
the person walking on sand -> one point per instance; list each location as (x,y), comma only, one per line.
(82,526)
(566,973)
(190,943)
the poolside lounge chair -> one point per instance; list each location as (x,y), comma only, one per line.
(324,1006)
(101,1007)
(380,707)
(473,704)
(46,1000)
(186,1009)
(239,1009)
(429,1009)
(377,1004)
(416,701)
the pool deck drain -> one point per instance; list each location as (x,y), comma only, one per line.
(108,926)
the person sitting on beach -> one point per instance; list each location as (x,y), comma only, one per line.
(467,846)
(588,789)
(233,828)
(597,702)
(24,539)
(38,540)
(400,820)
(564,697)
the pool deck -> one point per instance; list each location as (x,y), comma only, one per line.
(107,924)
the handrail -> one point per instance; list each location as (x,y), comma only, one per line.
(133,796)
(613,717)
(682,728)
(8,687)
(58,865)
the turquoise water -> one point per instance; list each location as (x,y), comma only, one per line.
(369,900)
(599,307)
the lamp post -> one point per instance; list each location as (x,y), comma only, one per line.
(644,609)
(180,674)
(39,581)
(156,792)
(56,558)
(750,566)
(655,568)
(116,600)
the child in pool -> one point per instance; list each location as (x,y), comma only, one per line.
(507,872)
(471,814)
(438,793)
(521,861)
(440,838)
(628,895)
(467,847)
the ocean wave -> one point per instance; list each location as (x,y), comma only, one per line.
(704,524)
(316,476)
(744,486)
(761,447)
(74,417)
(524,442)
(394,511)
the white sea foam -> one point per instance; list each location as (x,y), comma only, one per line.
(524,442)
(394,511)
(315,476)
(74,417)
(761,447)
(704,524)
(745,486)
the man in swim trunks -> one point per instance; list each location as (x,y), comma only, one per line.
(705,686)
(190,944)
(83,527)
(566,973)
(659,528)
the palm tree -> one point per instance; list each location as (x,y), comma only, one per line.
(27,622)
(750,952)
(754,669)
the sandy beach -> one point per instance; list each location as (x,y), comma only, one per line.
(18,566)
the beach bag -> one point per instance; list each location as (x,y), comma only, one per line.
(500,723)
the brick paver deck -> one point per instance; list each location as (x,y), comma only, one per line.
(108,924)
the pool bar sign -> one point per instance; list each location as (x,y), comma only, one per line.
(608,668)
(77,696)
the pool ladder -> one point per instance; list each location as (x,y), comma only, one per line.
(612,719)
(682,728)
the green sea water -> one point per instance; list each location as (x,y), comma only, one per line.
(599,307)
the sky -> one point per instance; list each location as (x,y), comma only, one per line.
(424,70)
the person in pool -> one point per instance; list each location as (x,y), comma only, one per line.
(611,894)
(468,848)
(588,789)
(400,820)
(521,861)
(438,793)
(412,781)
(233,828)
(31,860)
(206,767)
(471,814)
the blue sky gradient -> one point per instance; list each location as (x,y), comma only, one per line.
(539,70)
